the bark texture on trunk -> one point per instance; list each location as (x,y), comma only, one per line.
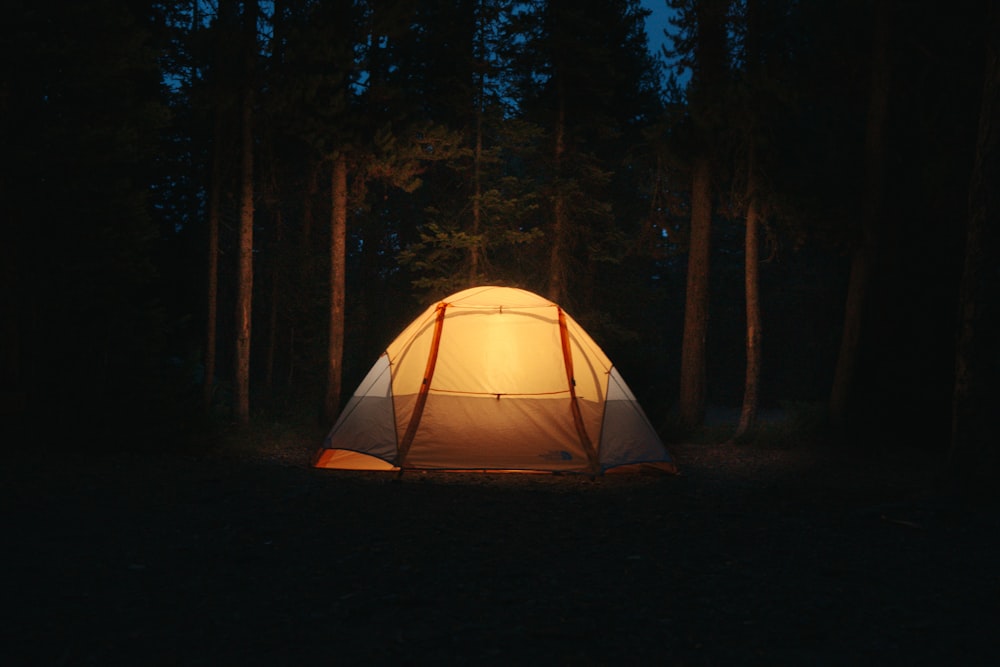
(212,266)
(751,278)
(274,299)
(338,265)
(707,92)
(692,398)
(244,273)
(751,238)
(223,113)
(560,228)
(475,250)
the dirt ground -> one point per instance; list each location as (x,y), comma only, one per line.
(800,555)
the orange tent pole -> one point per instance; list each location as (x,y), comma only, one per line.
(581,430)
(425,385)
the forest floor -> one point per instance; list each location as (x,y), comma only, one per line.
(798,554)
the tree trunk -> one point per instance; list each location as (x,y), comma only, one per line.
(850,338)
(475,249)
(338,264)
(706,98)
(244,276)
(975,454)
(692,397)
(308,208)
(212,265)
(274,299)
(221,113)
(867,251)
(751,276)
(751,239)
(557,255)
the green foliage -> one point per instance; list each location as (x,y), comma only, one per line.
(449,114)
(400,160)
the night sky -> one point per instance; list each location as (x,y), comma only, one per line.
(656,23)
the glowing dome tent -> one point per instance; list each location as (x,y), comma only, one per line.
(493,378)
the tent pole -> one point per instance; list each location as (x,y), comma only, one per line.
(418,407)
(581,430)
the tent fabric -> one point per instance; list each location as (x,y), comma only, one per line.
(493,378)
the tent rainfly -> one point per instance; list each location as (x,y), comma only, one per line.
(490,379)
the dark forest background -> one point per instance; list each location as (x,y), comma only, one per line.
(390,153)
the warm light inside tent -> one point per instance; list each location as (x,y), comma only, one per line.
(493,379)
(502,358)
(500,352)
